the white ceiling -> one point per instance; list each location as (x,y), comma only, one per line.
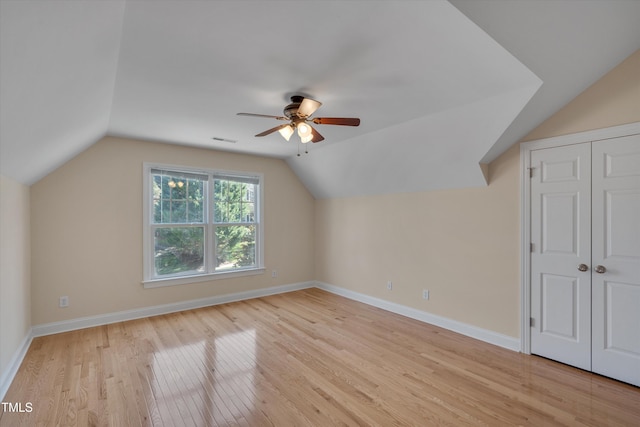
(439,86)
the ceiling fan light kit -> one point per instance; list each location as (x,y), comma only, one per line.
(304,131)
(286,132)
(298,114)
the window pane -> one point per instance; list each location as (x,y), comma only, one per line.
(249,212)
(178,211)
(157,203)
(235,191)
(166,189)
(235,246)
(195,211)
(220,190)
(220,212)
(178,198)
(178,250)
(235,201)
(235,212)
(179,190)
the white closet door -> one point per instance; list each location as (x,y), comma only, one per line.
(616,248)
(561,255)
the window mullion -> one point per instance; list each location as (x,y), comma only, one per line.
(211,232)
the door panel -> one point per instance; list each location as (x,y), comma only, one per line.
(558,303)
(559,223)
(616,246)
(561,234)
(621,299)
(620,235)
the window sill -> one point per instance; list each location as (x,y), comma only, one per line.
(183,280)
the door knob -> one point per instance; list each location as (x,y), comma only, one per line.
(583,267)
(600,269)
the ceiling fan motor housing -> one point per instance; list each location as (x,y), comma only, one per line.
(291,110)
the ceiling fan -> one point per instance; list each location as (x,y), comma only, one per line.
(298,115)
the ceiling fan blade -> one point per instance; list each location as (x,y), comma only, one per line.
(316,136)
(262,115)
(308,106)
(272,130)
(342,121)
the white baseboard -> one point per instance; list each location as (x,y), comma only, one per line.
(481,334)
(7,376)
(486,335)
(121,316)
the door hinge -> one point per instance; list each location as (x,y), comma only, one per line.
(532,322)
(531,247)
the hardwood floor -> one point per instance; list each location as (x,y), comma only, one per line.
(306,358)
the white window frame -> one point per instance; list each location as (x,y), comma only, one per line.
(149,281)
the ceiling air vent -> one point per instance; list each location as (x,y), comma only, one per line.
(232,141)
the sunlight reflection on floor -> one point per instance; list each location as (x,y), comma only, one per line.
(217,373)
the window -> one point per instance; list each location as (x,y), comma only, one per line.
(200,225)
(234,219)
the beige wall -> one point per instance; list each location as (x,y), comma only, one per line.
(15,266)
(612,100)
(462,245)
(87,226)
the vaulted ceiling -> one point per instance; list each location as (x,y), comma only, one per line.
(439,86)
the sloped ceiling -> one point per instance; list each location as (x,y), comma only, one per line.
(440,86)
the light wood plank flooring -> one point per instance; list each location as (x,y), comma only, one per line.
(306,358)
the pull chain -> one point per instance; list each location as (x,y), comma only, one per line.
(306,150)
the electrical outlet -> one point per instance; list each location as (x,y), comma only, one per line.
(389,285)
(425,294)
(274,273)
(63,302)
